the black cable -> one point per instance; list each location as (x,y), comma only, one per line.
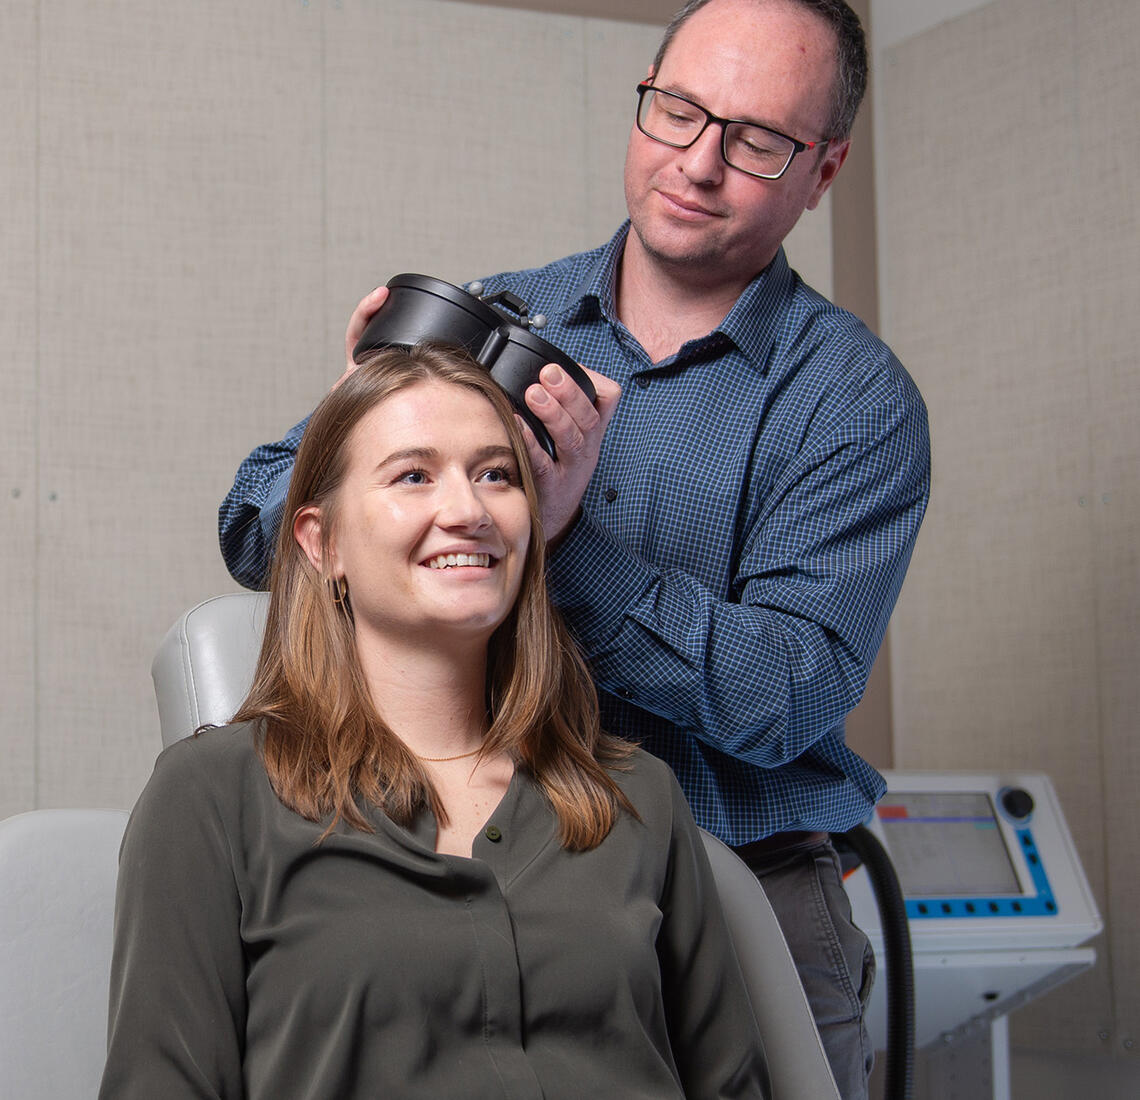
(899,1077)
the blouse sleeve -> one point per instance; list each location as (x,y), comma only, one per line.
(178,1003)
(713,1032)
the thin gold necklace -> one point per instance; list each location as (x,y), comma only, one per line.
(445,759)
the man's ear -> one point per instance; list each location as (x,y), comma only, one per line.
(833,158)
(308,531)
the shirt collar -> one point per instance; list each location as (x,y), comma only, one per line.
(751,324)
(595,293)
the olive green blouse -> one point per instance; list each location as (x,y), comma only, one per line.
(251,961)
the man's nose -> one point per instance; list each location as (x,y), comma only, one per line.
(702,161)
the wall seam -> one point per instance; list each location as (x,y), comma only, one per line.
(324,155)
(589,168)
(854,255)
(37,312)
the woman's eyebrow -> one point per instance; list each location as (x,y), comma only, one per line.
(426,454)
(423,454)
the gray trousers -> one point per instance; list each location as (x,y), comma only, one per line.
(834,958)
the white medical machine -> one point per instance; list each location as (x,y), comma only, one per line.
(997,904)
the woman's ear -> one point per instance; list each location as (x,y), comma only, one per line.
(308,532)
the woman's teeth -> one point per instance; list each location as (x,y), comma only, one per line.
(446,561)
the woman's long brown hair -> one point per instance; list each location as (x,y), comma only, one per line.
(323,742)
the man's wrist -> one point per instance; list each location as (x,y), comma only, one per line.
(556,540)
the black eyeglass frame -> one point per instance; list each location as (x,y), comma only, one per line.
(724,123)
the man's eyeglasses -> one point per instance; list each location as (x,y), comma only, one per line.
(674,120)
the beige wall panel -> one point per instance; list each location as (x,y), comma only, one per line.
(1108,88)
(1052,1076)
(1118,504)
(998,293)
(19,68)
(809,247)
(453,148)
(657,12)
(617,56)
(180,315)
(981,318)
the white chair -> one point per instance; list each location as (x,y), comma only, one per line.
(796,1059)
(204,668)
(57,903)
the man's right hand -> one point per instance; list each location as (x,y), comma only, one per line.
(357,323)
(576,425)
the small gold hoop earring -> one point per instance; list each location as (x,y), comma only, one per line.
(339,588)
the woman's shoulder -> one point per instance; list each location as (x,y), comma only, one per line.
(644,767)
(211,747)
(201,791)
(218,758)
(649,784)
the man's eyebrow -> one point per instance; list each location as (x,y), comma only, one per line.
(684,92)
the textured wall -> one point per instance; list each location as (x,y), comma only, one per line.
(1011,279)
(18,405)
(195,196)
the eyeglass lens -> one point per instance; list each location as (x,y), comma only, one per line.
(677,122)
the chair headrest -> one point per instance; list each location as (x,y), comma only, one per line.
(204,666)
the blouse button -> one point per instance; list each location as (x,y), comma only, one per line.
(493,833)
(610,495)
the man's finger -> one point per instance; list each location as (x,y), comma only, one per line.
(358,322)
(540,461)
(567,430)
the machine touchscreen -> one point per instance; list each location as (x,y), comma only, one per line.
(947,844)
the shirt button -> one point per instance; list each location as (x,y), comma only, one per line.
(610,495)
(493,833)
(641,381)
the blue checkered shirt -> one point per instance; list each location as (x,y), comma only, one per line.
(741,544)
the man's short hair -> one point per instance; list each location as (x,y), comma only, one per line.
(851,57)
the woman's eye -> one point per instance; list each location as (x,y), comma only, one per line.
(498,475)
(412,477)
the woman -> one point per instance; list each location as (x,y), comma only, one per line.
(414,866)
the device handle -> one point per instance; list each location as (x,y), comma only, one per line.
(511,306)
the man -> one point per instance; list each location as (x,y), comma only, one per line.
(728,539)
